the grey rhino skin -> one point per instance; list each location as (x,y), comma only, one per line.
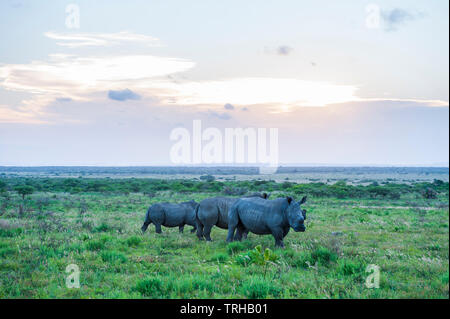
(171,215)
(214,211)
(262,217)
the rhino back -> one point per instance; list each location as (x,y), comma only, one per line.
(224,204)
(190,212)
(174,214)
(260,216)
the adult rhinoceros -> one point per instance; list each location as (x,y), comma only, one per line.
(171,215)
(214,211)
(262,217)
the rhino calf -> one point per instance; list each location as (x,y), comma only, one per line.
(262,217)
(171,215)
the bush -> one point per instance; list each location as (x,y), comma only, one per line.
(2,186)
(234,191)
(208,178)
(257,256)
(429,193)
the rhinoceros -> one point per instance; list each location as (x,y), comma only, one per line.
(262,217)
(171,215)
(214,211)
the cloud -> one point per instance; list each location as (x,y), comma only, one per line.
(123,95)
(9,115)
(81,78)
(64,73)
(396,17)
(221,116)
(86,78)
(284,50)
(63,99)
(75,40)
(258,90)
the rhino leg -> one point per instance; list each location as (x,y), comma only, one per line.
(278,235)
(200,231)
(180,229)
(240,232)
(193,229)
(233,221)
(207,232)
(158,228)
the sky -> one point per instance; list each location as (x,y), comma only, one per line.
(105,82)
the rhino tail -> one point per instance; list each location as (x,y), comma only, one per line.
(197,220)
(147,217)
(198,223)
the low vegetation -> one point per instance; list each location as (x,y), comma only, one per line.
(47,224)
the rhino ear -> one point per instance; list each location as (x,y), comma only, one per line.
(289,199)
(303,200)
(265,196)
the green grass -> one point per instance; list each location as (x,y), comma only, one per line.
(100,232)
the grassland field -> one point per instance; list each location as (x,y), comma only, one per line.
(95,224)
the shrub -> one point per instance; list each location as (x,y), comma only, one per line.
(234,191)
(429,193)
(207,178)
(257,256)
(2,186)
